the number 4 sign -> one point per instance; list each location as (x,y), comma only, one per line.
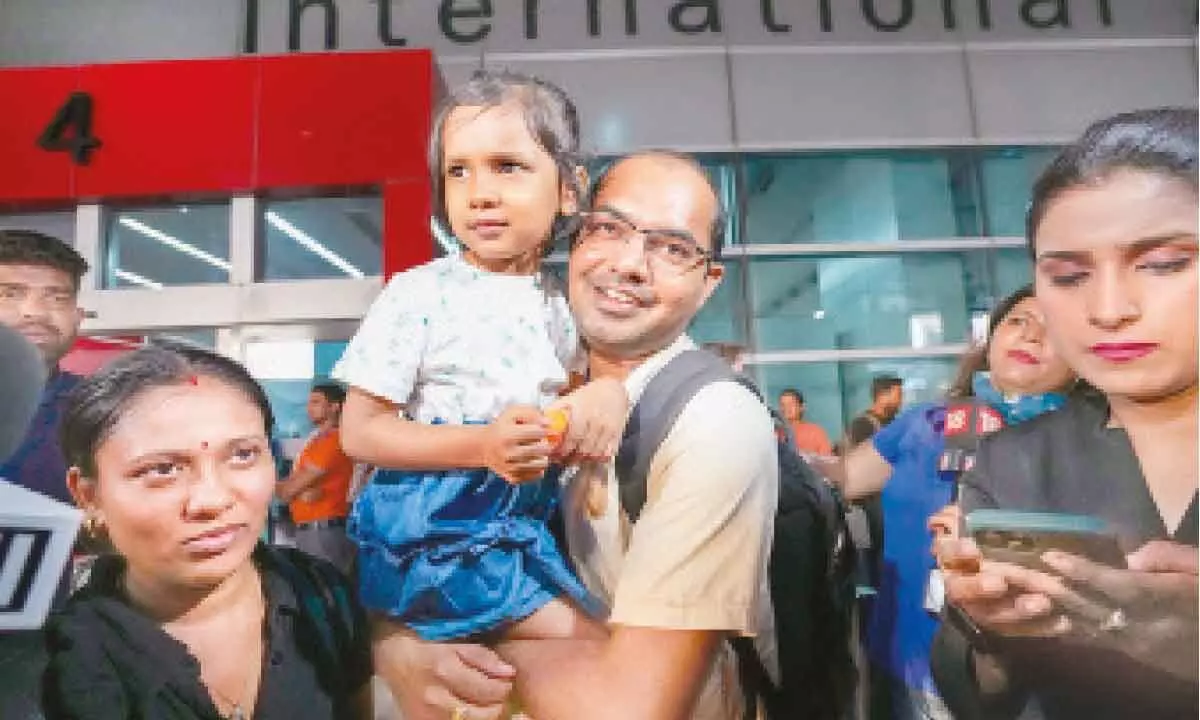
(71,129)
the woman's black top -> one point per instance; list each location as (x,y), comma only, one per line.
(1071,461)
(108,660)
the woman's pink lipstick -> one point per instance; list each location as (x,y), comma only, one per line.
(1123,352)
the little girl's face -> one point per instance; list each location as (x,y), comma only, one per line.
(502,190)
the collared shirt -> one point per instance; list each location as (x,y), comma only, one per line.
(108,660)
(696,558)
(38,463)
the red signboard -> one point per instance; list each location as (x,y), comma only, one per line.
(28,100)
(296,123)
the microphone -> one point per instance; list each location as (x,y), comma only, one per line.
(966,423)
(22,375)
(36,532)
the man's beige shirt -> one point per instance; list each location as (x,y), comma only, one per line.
(696,559)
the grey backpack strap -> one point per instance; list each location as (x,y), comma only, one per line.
(654,415)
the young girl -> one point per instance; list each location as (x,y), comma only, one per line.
(449,376)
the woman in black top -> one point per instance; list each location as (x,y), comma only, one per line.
(193,618)
(1113,232)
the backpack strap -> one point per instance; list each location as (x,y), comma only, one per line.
(326,609)
(651,420)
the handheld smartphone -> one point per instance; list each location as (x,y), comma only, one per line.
(1020,537)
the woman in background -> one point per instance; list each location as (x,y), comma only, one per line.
(915,462)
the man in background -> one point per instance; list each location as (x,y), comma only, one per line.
(808,437)
(318,487)
(39,298)
(887,395)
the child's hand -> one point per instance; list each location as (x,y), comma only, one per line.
(515,446)
(597,413)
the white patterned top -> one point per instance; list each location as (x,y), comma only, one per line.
(454,343)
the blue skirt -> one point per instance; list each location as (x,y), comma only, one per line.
(459,553)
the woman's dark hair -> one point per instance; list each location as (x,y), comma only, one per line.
(99,402)
(550,116)
(976,359)
(1161,141)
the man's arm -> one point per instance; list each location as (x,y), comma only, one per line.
(304,477)
(639,672)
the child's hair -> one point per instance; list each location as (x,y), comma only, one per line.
(550,117)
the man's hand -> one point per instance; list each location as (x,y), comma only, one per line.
(597,414)
(515,446)
(431,681)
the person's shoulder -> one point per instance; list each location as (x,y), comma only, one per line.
(426,275)
(303,576)
(1017,465)
(96,622)
(1046,431)
(726,412)
(919,412)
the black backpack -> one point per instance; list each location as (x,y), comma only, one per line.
(811,566)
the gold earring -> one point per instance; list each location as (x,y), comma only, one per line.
(92,525)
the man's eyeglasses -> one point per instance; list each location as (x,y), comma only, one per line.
(668,248)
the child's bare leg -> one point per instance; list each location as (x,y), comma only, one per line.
(558,618)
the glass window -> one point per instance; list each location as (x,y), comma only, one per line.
(1008,175)
(55,224)
(159,246)
(839,302)
(859,197)
(338,237)
(1013,268)
(719,318)
(287,369)
(836,392)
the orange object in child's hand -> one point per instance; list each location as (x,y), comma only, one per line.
(558,418)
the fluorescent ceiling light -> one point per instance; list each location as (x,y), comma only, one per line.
(449,246)
(135,279)
(174,243)
(306,241)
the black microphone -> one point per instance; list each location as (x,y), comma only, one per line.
(966,424)
(36,532)
(22,375)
